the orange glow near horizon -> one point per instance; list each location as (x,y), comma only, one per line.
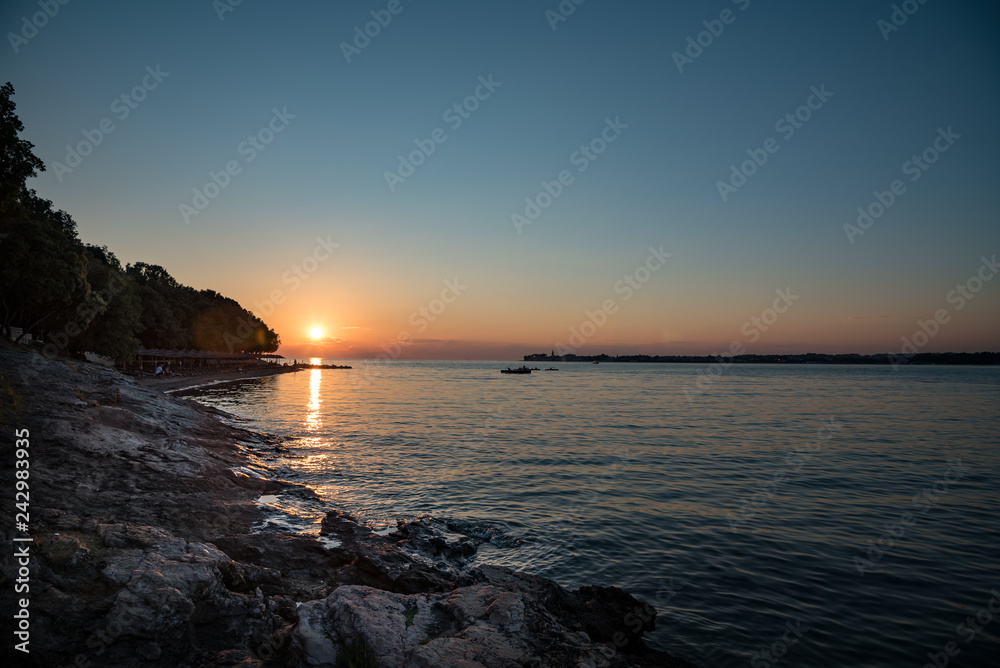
(404,321)
(468,334)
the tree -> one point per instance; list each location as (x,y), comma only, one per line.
(17,162)
(112,332)
(43,209)
(42,267)
(78,298)
(178,316)
(161,323)
(43,276)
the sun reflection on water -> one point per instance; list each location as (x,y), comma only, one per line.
(314,419)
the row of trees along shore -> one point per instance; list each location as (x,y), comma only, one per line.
(78,297)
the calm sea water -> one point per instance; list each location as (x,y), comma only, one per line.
(836,516)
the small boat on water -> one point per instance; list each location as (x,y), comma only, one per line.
(522,369)
(552,368)
(596,362)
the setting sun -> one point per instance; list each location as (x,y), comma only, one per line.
(316,332)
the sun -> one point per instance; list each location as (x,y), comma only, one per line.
(316,332)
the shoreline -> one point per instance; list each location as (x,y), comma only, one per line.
(793,359)
(143,553)
(172,384)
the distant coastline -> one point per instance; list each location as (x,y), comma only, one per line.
(950,359)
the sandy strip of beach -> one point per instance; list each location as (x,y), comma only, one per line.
(175,383)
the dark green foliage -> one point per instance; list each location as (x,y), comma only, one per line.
(43,273)
(117,309)
(178,316)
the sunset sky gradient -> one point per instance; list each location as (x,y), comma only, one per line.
(436,260)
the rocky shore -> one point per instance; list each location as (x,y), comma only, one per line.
(143,552)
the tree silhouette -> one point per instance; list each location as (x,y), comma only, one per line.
(17,162)
(78,298)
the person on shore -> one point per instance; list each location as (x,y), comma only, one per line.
(159,371)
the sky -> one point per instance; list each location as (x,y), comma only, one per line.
(617,177)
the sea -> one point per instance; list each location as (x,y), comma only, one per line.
(802,515)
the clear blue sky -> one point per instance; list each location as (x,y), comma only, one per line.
(324,174)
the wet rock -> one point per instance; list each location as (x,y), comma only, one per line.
(610,615)
(434,538)
(379,562)
(344,527)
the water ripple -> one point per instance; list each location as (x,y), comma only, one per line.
(609,474)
